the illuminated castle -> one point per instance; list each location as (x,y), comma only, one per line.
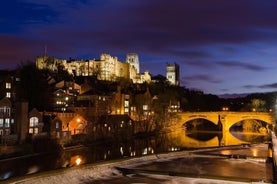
(106,68)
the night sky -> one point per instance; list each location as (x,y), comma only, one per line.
(222,46)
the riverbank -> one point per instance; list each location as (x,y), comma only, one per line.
(106,172)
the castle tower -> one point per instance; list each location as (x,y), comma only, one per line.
(133,59)
(173,74)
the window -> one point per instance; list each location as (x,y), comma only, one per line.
(145,107)
(8,94)
(57,125)
(33,122)
(31,131)
(133,109)
(36,131)
(1,122)
(5,111)
(126,103)
(8,85)
(33,125)
(7,122)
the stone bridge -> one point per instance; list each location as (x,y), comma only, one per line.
(226,118)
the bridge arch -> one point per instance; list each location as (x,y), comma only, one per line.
(226,118)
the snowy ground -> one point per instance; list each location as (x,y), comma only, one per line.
(106,173)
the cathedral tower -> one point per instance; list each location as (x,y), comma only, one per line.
(133,59)
(173,74)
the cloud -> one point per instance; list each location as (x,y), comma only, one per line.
(201,77)
(202,36)
(242,65)
(175,29)
(264,86)
(15,14)
(162,27)
(15,49)
(272,86)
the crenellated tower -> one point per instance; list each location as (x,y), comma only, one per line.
(133,60)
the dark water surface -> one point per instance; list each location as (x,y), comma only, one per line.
(174,141)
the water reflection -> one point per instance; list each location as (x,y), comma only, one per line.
(167,142)
(251,130)
(201,129)
(76,160)
(33,169)
(202,135)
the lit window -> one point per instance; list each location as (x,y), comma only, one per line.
(133,109)
(36,131)
(5,111)
(33,122)
(1,122)
(31,130)
(8,94)
(126,103)
(8,85)
(7,122)
(145,107)
(57,124)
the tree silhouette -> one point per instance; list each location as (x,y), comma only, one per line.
(33,86)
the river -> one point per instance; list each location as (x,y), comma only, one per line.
(167,142)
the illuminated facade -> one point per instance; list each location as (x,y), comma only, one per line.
(173,74)
(106,68)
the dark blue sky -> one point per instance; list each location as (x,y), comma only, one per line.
(222,46)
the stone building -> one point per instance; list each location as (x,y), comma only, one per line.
(9,81)
(6,120)
(173,74)
(106,68)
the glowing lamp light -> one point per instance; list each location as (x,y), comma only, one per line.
(78,161)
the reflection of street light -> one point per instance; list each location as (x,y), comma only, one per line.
(78,161)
